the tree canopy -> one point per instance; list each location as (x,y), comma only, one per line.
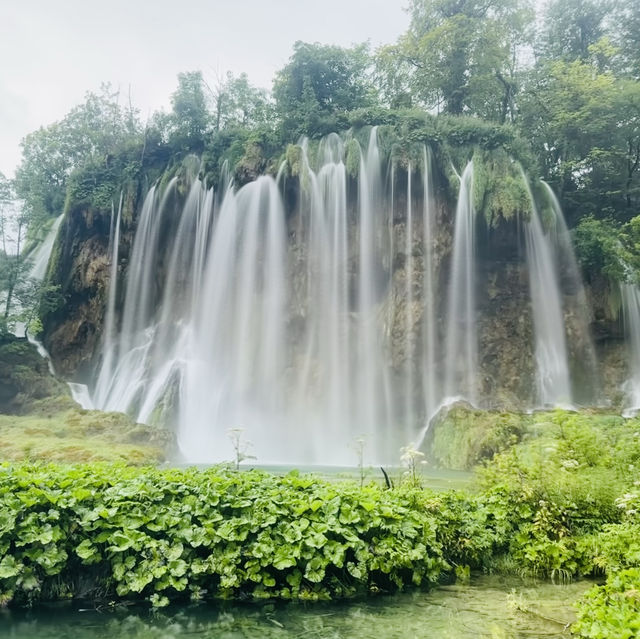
(566,81)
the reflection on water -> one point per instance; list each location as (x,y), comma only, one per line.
(492,607)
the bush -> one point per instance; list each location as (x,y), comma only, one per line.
(611,611)
(175,534)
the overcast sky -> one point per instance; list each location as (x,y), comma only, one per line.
(53,52)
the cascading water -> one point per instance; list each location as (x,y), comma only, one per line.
(286,337)
(40,259)
(461,376)
(410,337)
(631,315)
(38,270)
(585,380)
(312,327)
(552,367)
(430,374)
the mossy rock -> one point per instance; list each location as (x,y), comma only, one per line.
(25,377)
(80,436)
(463,436)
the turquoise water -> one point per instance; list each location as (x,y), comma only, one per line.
(432,478)
(491,607)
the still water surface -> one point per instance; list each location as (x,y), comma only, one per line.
(491,607)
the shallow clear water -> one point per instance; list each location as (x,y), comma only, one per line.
(492,607)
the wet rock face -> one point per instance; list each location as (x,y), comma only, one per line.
(505,335)
(80,266)
(24,376)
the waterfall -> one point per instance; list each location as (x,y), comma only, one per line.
(552,368)
(586,380)
(410,337)
(461,376)
(313,325)
(40,259)
(38,270)
(631,315)
(430,373)
(228,323)
(109,338)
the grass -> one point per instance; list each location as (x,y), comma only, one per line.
(75,435)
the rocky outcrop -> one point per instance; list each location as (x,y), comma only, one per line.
(80,266)
(25,378)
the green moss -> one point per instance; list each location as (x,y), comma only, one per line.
(500,191)
(25,377)
(293,158)
(352,153)
(55,433)
(462,436)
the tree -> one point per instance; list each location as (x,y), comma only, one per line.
(318,84)
(13,228)
(625,33)
(92,131)
(23,297)
(190,115)
(585,126)
(459,56)
(572,26)
(238,103)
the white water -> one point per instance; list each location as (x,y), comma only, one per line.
(579,340)
(461,376)
(40,258)
(431,387)
(631,317)
(241,318)
(552,366)
(286,324)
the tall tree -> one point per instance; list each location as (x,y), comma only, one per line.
(572,26)
(585,126)
(459,56)
(318,84)
(190,115)
(91,131)
(236,102)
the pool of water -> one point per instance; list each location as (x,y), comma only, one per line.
(433,478)
(491,607)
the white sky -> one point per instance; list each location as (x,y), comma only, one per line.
(53,52)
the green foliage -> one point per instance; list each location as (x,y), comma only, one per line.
(318,86)
(457,57)
(611,611)
(572,26)
(584,126)
(499,187)
(598,247)
(236,103)
(169,534)
(91,132)
(562,487)
(190,118)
